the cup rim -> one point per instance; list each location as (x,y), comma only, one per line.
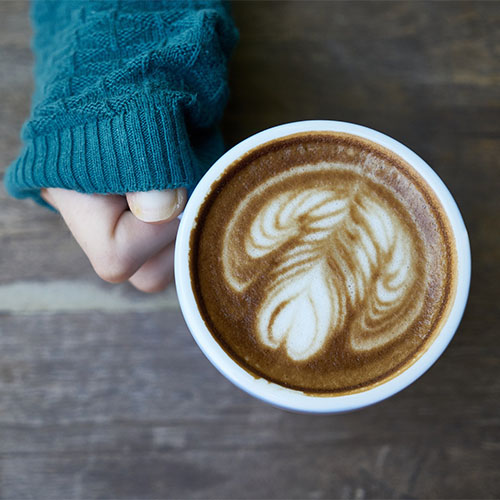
(273,393)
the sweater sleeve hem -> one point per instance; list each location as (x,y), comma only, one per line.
(147,146)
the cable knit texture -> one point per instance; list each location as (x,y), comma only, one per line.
(127,97)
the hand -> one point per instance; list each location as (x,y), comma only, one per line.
(125,237)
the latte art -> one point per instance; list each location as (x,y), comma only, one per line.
(322,263)
(345,248)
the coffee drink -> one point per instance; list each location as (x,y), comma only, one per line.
(323,262)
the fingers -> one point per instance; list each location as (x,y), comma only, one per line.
(157,206)
(46,195)
(116,242)
(156,273)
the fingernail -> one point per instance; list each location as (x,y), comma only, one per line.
(154,206)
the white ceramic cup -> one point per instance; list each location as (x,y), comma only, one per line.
(273,393)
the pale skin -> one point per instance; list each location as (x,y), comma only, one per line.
(126,238)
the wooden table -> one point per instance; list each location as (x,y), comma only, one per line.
(103,393)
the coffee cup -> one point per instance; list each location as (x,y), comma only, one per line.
(345,138)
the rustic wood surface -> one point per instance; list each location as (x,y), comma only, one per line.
(103,393)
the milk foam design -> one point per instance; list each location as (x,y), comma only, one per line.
(341,259)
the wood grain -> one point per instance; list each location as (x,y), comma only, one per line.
(113,400)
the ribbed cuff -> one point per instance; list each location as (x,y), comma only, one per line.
(146,146)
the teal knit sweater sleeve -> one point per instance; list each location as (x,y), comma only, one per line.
(128,95)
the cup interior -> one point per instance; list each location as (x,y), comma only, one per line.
(273,393)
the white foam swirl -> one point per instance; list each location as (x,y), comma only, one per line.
(302,304)
(339,258)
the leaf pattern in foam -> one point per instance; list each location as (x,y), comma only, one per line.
(351,257)
(393,296)
(300,312)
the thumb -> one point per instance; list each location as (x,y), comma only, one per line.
(157,206)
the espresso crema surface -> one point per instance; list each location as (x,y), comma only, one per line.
(323,262)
